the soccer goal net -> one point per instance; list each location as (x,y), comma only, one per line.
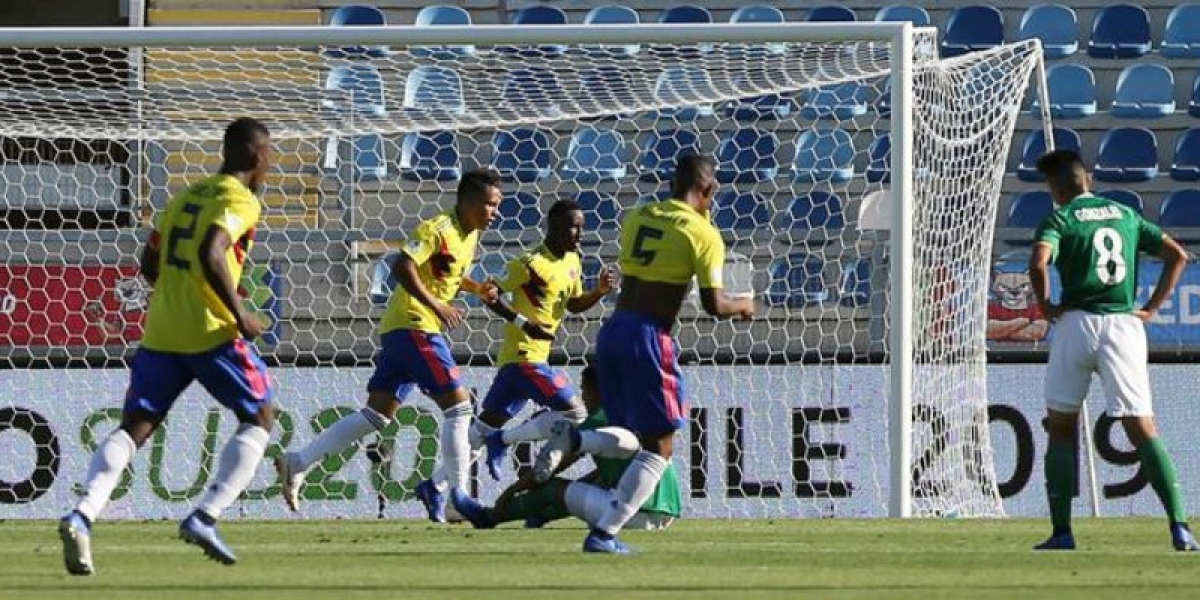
(859,185)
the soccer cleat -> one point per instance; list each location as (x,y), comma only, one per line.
(534,522)
(193,530)
(563,440)
(76,537)
(1182,538)
(598,545)
(497,451)
(291,481)
(434,501)
(1062,541)
(471,510)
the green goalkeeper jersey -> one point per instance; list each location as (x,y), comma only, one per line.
(1095,244)
(665,499)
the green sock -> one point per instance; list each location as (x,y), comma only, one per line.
(534,502)
(1160,472)
(1059,467)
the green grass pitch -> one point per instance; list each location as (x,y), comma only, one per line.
(1119,558)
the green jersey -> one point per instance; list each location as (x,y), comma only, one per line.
(665,499)
(1095,243)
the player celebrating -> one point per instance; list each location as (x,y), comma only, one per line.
(430,272)
(1095,242)
(545,283)
(196,329)
(663,244)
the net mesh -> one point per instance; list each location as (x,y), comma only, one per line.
(789,413)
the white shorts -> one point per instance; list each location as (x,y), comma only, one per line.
(1113,346)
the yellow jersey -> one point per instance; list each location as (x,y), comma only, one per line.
(185,314)
(669,242)
(442,252)
(541,285)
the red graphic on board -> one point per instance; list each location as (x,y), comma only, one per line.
(68,305)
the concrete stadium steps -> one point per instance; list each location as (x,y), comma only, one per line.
(213,13)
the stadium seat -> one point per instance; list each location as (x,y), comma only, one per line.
(747,156)
(855,287)
(797,280)
(813,211)
(434,90)
(600,211)
(824,155)
(488,265)
(1194,102)
(685,14)
(1126,197)
(839,101)
(918,16)
(1072,92)
(1181,208)
(533,91)
(972,28)
(1056,25)
(1127,154)
(538,14)
(357,15)
(746,211)
(758,13)
(1186,164)
(518,210)
(1035,146)
(595,155)
(605,89)
(369,156)
(1120,31)
(757,108)
(830,13)
(354,89)
(1182,36)
(1144,91)
(884,105)
(430,157)
(687,90)
(382,279)
(442,15)
(660,150)
(522,155)
(1029,209)
(879,170)
(613,14)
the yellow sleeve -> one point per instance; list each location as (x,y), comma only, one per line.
(423,243)
(708,262)
(237,216)
(516,274)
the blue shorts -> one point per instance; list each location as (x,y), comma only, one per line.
(410,358)
(637,370)
(518,383)
(232,372)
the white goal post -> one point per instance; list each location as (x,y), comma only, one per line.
(949,123)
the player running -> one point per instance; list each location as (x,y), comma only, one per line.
(663,245)
(430,271)
(197,329)
(1094,242)
(545,284)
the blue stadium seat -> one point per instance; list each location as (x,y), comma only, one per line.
(660,150)
(1194,102)
(1127,154)
(518,210)
(746,211)
(613,14)
(757,108)
(879,170)
(830,13)
(855,288)
(522,155)
(687,89)
(813,211)
(488,265)
(1120,31)
(538,14)
(533,91)
(1056,25)
(430,157)
(1182,36)
(824,155)
(600,211)
(369,156)
(1126,197)
(1072,92)
(1186,164)
(605,89)
(354,89)
(685,13)
(1035,146)
(747,156)
(797,280)
(1144,91)
(1029,209)
(595,155)
(382,280)
(442,15)
(435,90)
(1181,208)
(759,13)
(838,101)
(884,105)
(972,28)
(918,16)
(357,15)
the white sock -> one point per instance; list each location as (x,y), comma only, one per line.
(337,437)
(537,428)
(588,502)
(478,433)
(609,442)
(456,449)
(235,468)
(636,486)
(111,457)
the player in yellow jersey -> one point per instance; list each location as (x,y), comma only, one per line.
(413,352)
(197,329)
(663,245)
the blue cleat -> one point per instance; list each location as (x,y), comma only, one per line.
(434,501)
(497,451)
(196,530)
(1061,541)
(471,510)
(76,535)
(1182,538)
(601,545)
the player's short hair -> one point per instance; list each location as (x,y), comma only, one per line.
(1061,167)
(238,150)
(475,183)
(560,209)
(691,171)
(588,376)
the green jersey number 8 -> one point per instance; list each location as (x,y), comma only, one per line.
(1110,258)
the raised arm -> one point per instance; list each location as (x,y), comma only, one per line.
(585,301)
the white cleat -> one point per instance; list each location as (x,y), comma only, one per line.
(291,481)
(77,544)
(560,443)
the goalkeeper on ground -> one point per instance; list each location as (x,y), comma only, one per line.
(586,498)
